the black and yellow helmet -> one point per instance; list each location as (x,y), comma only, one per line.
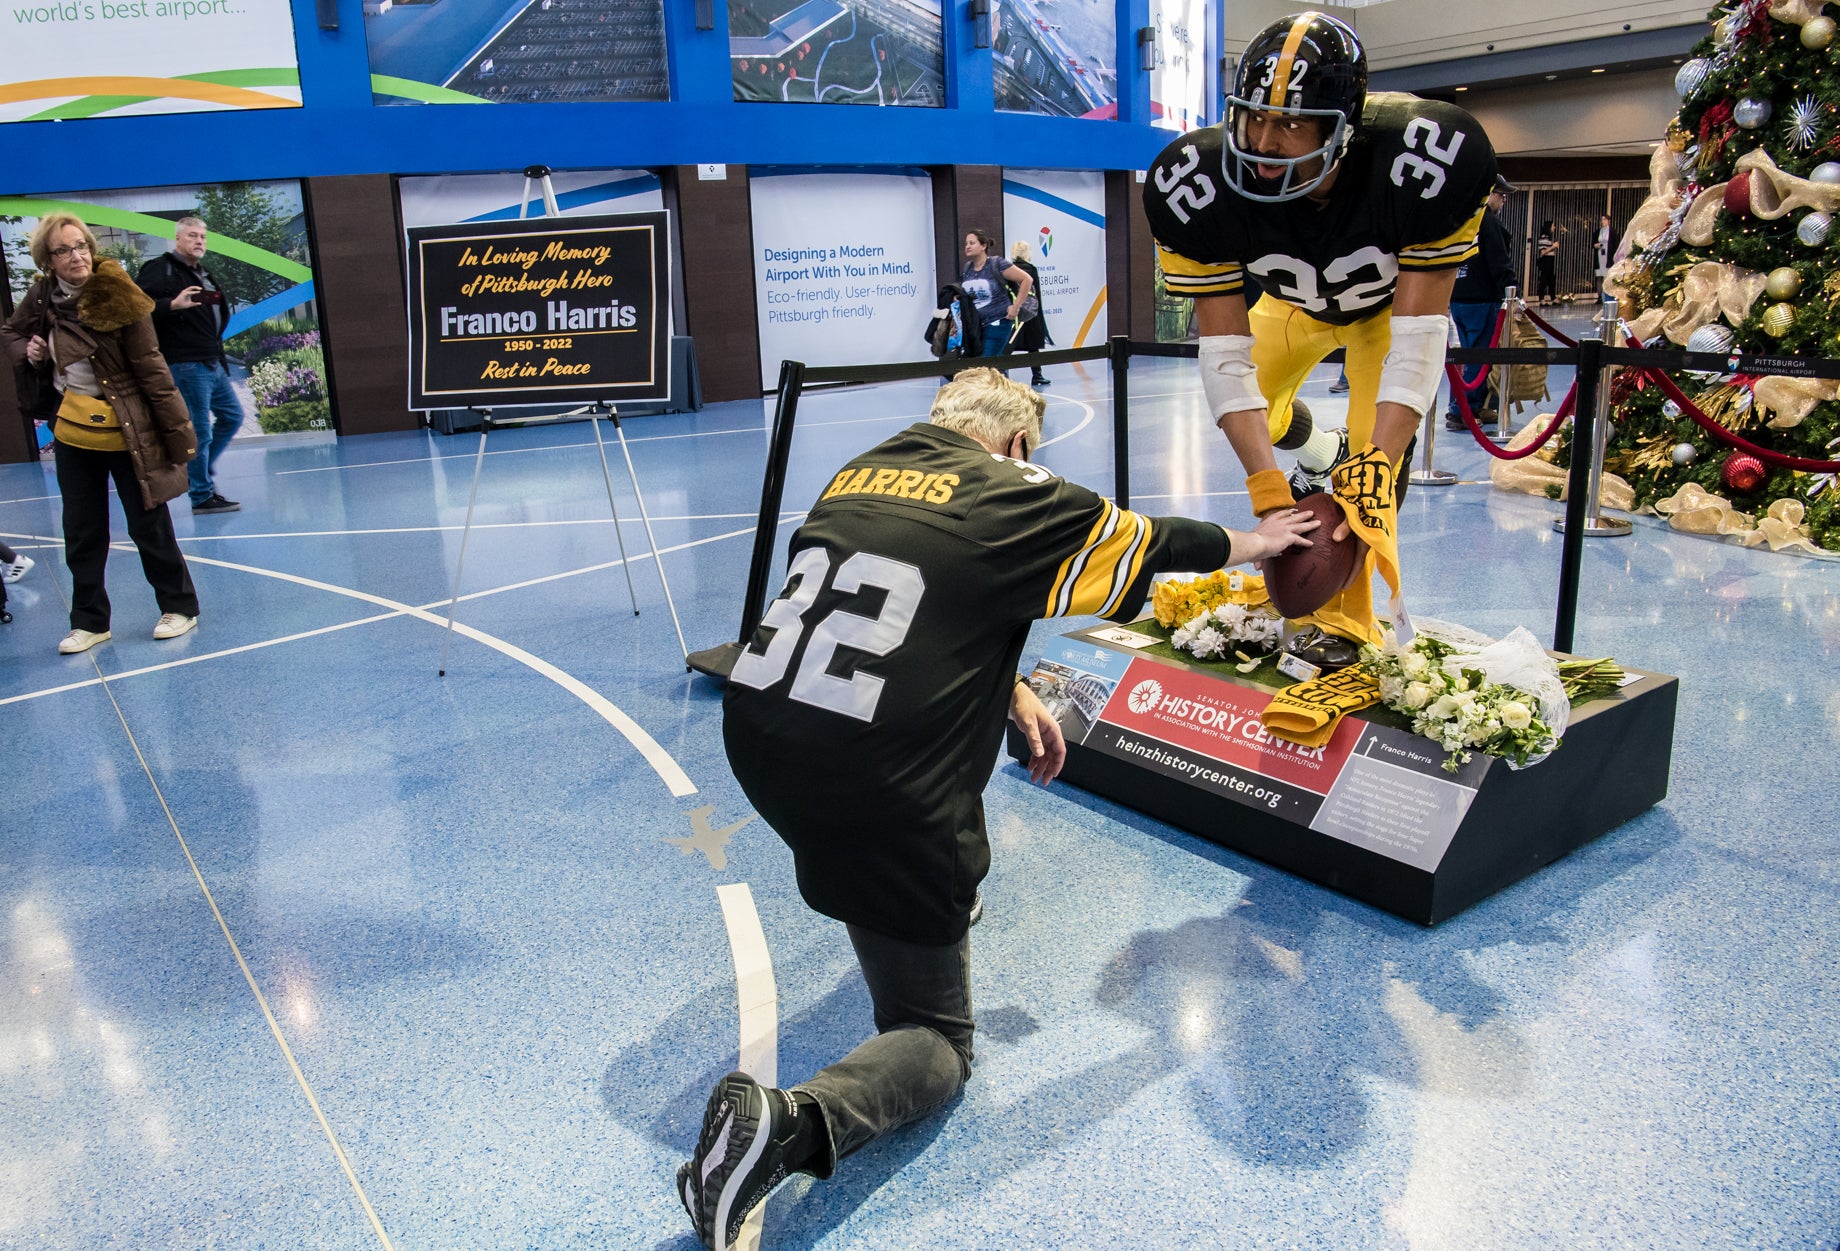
(1306,65)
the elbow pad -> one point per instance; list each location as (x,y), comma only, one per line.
(1229,380)
(1414,365)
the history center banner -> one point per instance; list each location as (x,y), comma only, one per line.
(843,267)
(1060,214)
(535,312)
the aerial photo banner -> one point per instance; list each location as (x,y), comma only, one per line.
(535,312)
(62,59)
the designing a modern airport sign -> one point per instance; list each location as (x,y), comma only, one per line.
(536,312)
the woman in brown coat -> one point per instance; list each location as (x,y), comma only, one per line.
(86,323)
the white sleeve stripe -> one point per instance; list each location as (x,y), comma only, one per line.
(1121,575)
(1063,602)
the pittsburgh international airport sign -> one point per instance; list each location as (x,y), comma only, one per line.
(503,314)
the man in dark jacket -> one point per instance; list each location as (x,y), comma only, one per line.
(1476,299)
(190,313)
(862,722)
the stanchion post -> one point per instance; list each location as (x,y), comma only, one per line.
(1505,379)
(719,661)
(1577,486)
(1596,525)
(1121,420)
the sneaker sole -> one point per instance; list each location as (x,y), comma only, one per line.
(731,1185)
(78,651)
(176,633)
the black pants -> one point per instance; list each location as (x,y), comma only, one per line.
(1547,268)
(83,481)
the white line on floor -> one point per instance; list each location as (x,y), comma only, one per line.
(758,1053)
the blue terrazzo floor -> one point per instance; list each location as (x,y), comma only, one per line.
(306,946)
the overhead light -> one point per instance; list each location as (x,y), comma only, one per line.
(1462,88)
(1550,77)
(1598,70)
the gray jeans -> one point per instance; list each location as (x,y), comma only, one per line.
(921,1054)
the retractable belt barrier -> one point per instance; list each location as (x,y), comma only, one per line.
(1591,358)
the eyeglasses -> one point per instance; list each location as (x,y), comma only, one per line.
(61,253)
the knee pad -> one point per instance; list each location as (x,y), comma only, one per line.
(1301,427)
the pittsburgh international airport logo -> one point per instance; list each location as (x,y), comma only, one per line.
(1145,696)
(1045,242)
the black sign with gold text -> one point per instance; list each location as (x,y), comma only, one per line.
(535,312)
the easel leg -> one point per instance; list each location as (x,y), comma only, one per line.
(466,533)
(657,557)
(600,445)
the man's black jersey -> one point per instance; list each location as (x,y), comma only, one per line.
(1409,194)
(864,717)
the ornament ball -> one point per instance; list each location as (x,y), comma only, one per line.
(1712,337)
(1818,32)
(1779,320)
(1671,410)
(1751,113)
(1812,229)
(1783,283)
(1690,77)
(1738,194)
(1827,172)
(1684,454)
(1742,472)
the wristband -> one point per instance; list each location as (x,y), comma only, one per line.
(1270,491)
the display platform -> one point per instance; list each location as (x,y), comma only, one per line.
(1373,814)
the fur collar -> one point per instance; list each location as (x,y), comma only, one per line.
(110,300)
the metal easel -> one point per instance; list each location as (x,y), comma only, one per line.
(593,412)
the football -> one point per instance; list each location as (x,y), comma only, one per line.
(1305,578)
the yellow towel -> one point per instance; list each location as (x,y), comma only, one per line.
(1307,713)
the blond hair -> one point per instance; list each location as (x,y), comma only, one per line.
(982,403)
(49,225)
(1020,251)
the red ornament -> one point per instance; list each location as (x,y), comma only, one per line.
(1738,194)
(1742,472)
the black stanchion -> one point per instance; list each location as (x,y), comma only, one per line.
(719,661)
(1577,488)
(1121,421)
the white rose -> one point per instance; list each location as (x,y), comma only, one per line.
(1516,715)
(1418,694)
(1443,709)
(1414,665)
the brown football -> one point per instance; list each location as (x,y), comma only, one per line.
(1305,578)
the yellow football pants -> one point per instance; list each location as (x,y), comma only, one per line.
(1287,343)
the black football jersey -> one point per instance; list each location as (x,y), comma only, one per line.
(864,717)
(1409,195)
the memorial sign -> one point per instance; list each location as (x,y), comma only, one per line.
(536,312)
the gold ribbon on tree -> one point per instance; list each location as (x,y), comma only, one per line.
(1709,290)
(1695,510)
(1786,402)
(1531,475)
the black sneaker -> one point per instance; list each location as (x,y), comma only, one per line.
(216,504)
(1309,481)
(741,1155)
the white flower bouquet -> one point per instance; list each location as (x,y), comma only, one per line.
(1473,694)
(1231,628)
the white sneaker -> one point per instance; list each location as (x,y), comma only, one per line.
(17,569)
(81,641)
(173,624)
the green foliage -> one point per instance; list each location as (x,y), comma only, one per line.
(296,415)
(249,214)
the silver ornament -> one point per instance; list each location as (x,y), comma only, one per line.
(1670,410)
(1684,454)
(1804,123)
(1826,172)
(1751,113)
(1690,77)
(1812,229)
(1712,337)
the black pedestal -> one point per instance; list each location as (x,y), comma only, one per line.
(1373,814)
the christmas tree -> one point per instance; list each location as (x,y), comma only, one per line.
(1736,250)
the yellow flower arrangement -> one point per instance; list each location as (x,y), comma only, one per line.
(1176,603)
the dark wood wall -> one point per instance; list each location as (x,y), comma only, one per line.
(719,309)
(359,280)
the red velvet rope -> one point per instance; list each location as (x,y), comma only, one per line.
(1550,330)
(1460,393)
(1722,435)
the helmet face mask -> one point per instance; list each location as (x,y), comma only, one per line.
(1305,66)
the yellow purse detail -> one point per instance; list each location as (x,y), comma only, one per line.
(88,422)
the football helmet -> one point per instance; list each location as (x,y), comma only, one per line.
(1307,65)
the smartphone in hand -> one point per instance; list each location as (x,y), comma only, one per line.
(210,297)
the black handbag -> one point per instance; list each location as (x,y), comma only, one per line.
(38,394)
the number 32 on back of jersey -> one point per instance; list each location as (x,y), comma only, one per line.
(857,695)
